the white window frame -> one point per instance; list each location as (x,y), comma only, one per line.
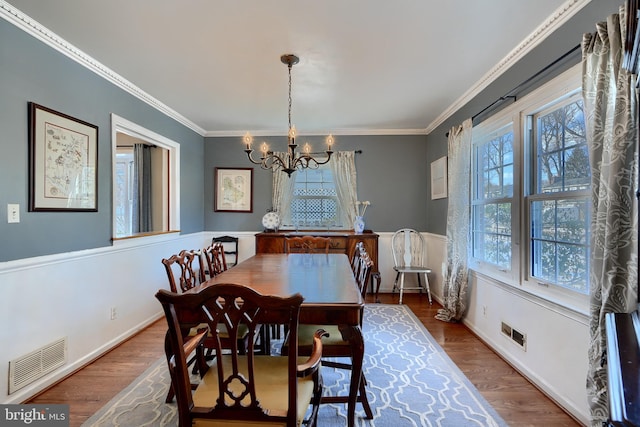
(122,125)
(481,134)
(288,223)
(563,86)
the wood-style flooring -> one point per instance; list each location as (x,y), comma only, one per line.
(517,401)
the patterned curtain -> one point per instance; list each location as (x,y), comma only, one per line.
(611,118)
(282,189)
(142,218)
(455,271)
(343,166)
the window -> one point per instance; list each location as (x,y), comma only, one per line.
(559,201)
(158,180)
(123,190)
(493,198)
(314,202)
(531,194)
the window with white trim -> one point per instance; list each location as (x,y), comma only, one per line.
(492,198)
(314,202)
(531,194)
(559,195)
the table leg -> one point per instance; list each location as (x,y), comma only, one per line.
(354,335)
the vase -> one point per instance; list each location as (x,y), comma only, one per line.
(358,225)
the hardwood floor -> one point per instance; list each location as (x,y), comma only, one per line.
(517,401)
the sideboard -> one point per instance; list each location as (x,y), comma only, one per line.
(341,242)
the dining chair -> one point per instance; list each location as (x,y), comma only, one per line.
(185,271)
(215,258)
(335,346)
(409,251)
(239,389)
(230,245)
(181,271)
(307,244)
(354,258)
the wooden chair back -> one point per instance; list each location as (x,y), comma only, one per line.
(363,274)
(230,245)
(215,258)
(235,387)
(184,270)
(355,257)
(307,244)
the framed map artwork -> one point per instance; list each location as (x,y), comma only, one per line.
(233,190)
(63,162)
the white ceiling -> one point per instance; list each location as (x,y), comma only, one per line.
(366,66)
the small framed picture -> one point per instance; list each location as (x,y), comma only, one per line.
(63,162)
(439,178)
(233,190)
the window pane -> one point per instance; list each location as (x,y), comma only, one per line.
(563,160)
(315,202)
(492,233)
(560,242)
(495,167)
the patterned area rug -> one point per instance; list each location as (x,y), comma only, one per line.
(411,382)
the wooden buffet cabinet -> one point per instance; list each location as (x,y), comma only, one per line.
(341,242)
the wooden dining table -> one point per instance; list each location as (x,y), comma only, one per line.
(331,296)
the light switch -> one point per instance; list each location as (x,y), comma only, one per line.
(13,213)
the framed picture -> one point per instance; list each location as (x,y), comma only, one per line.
(63,162)
(439,178)
(233,190)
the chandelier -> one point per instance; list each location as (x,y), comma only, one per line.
(293,161)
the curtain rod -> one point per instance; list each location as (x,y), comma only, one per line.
(513,96)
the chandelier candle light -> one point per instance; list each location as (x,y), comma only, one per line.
(294,161)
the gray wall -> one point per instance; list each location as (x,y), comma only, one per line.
(554,47)
(392,175)
(32,71)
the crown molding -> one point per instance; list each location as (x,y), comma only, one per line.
(555,21)
(334,132)
(34,28)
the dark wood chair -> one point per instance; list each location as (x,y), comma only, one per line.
(335,345)
(230,247)
(215,258)
(185,271)
(307,244)
(241,389)
(355,257)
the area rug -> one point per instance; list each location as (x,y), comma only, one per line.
(411,382)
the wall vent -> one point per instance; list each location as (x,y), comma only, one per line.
(30,367)
(515,335)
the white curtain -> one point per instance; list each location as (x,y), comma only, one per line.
(282,189)
(343,166)
(455,270)
(611,113)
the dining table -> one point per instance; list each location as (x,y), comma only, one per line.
(331,296)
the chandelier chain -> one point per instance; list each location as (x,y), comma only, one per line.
(289,95)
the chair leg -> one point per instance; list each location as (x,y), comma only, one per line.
(364,399)
(426,281)
(395,283)
(375,278)
(401,287)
